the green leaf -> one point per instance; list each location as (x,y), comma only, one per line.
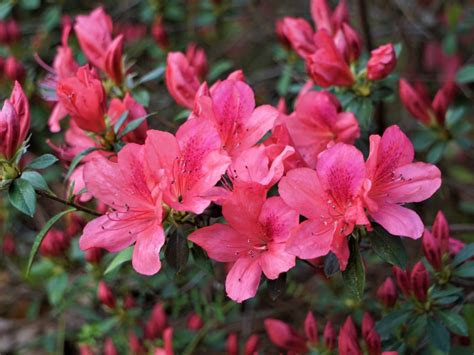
(398,49)
(121,257)
(131,126)
(388,247)
(177,251)
(438,335)
(5,8)
(390,323)
(436,152)
(42,162)
(354,274)
(284,81)
(464,254)
(30,4)
(363,110)
(455,323)
(56,287)
(219,68)
(454,115)
(22,196)
(142,97)
(276,287)
(152,75)
(465,270)
(465,74)
(35,179)
(331,264)
(42,233)
(120,122)
(77,159)
(423,139)
(201,259)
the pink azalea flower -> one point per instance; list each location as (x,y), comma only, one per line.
(395,180)
(190,163)
(254,240)
(136,209)
(329,198)
(317,122)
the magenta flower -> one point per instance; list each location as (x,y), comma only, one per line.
(254,240)
(330,199)
(136,209)
(395,180)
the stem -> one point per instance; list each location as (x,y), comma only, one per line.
(69,203)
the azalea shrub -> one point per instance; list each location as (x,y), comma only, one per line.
(237,177)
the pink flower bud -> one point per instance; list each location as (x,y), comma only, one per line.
(284,336)
(129,302)
(3,32)
(403,280)
(232,344)
(85,349)
(374,343)
(8,245)
(280,32)
(348,340)
(440,232)
(368,324)
(329,336)
(198,60)
(251,345)
(83,97)
(194,322)
(113,65)
(415,103)
(14,70)
(340,14)
(105,295)
(311,329)
(387,293)
(13,31)
(135,345)
(181,79)
(54,244)
(156,323)
(300,35)
(320,13)
(420,281)
(353,43)
(432,250)
(382,62)
(159,33)
(455,246)
(109,347)
(94,255)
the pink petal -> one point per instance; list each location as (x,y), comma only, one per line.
(278,219)
(340,247)
(260,122)
(312,239)
(161,150)
(146,252)
(398,220)
(233,102)
(276,260)
(243,279)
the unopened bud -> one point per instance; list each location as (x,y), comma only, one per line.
(105,295)
(109,347)
(232,344)
(382,62)
(387,293)
(329,336)
(403,280)
(194,322)
(420,281)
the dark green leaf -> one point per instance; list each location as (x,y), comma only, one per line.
(219,68)
(417,327)
(42,162)
(77,159)
(455,323)
(177,251)
(436,152)
(284,81)
(465,270)
(5,8)
(22,196)
(331,264)
(438,335)
(276,287)
(363,109)
(423,139)
(35,179)
(131,126)
(121,257)
(201,259)
(465,74)
(56,287)
(354,274)
(152,75)
(454,115)
(388,247)
(391,322)
(398,49)
(42,233)
(120,122)
(464,254)
(142,97)
(30,4)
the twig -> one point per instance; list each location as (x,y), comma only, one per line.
(69,203)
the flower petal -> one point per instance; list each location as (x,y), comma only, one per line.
(311,240)
(146,252)
(398,220)
(243,279)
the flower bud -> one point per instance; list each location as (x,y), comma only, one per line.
(455,246)
(311,329)
(415,103)
(156,323)
(403,279)
(280,32)
(159,33)
(13,31)
(8,245)
(181,79)
(320,13)
(14,70)
(194,322)
(432,250)
(387,293)
(329,336)
(109,347)
(168,341)
(382,62)
(348,340)
(300,35)
(94,255)
(368,324)
(135,345)
(353,43)
(251,345)
(232,344)
(442,100)
(420,281)
(54,244)
(129,302)
(3,32)
(284,336)
(113,65)
(374,343)
(440,232)
(85,349)
(105,295)
(83,97)
(198,60)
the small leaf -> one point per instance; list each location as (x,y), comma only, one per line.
(42,162)
(152,75)
(465,270)
(465,74)
(455,323)
(354,274)
(390,323)
(120,122)
(436,152)
(201,259)
(363,110)
(22,196)
(177,251)
(438,335)
(464,254)
(56,287)
(42,233)
(121,257)
(331,264)
(131,126)
(219,68)
(5,8)
(77,159)
(284,81)
(276,287)
(423,139)
(388,247)
(35,179)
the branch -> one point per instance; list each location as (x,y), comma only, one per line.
(69,203)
